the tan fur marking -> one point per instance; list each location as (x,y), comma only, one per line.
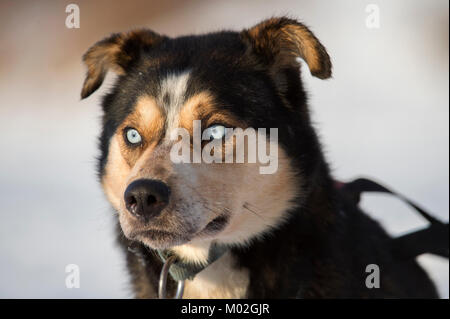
(203,107)
(148,119)
(302,41)
(116,173)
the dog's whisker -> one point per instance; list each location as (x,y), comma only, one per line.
(210,209)
(254,206)
(252,211)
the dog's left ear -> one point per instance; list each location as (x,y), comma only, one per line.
(115,53)
(280,41)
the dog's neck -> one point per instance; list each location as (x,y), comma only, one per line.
(209,271)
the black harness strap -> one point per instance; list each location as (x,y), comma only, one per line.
(433,239)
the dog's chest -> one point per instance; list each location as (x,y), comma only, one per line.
(222,279)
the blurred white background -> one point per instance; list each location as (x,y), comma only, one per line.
(385,114)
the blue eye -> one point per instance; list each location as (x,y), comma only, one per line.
(214,132)
(133,136)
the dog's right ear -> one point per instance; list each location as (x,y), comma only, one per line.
(116,53)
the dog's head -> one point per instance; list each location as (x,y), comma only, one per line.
(247,80)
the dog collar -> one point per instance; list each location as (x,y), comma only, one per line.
(180,270)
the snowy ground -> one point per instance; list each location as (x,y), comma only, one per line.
(385,115)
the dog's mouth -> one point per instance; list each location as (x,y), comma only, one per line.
(157,235)
(160,238)
(215,226)
(157,238)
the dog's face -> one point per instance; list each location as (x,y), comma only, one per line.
(224,80)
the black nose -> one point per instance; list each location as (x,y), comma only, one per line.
(146,198)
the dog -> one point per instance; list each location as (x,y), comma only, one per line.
(278,235)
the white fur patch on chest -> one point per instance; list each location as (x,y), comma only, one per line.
(220,280)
